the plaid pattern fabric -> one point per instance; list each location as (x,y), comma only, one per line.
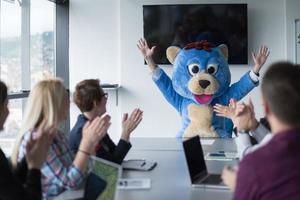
(58,172)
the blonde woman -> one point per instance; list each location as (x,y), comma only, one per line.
(12,187)
(49,101)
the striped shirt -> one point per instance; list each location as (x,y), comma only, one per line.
(58,172)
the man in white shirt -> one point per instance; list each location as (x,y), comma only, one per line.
(243,117)
(247,125)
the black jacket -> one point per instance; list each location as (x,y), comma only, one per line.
(106,148)
(19,184)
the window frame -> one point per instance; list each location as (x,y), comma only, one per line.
(61,49)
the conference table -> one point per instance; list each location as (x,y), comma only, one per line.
(170,178)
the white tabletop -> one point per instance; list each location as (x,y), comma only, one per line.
(170,178)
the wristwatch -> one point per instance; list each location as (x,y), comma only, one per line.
(257,74)
(244,132)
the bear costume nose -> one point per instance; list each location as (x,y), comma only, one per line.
(204,83)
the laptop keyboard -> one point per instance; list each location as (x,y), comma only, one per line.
(213,179)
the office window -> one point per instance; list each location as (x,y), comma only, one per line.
(10,55)
(14,119)
(26,26)
(42,55)
(29,30)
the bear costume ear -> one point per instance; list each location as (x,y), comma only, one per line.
(172,52)
(224,50)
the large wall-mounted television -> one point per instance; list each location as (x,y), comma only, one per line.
(178,25)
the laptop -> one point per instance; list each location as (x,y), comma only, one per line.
(197,168)
(110,172)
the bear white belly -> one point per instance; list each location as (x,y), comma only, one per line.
(201,120)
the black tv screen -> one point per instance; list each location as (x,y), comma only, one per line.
(178,25)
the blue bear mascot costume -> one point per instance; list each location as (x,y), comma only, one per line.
(201,78)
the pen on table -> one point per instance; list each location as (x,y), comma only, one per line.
(144,162)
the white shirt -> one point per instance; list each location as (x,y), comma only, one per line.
(243,143)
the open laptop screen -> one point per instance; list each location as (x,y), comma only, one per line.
(110,172)
(194,158)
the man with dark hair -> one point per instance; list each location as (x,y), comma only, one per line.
(273,171)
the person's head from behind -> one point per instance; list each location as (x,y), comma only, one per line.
(3,104)
(89,97)
(281,94)
(48,101)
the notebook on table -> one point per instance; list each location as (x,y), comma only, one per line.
(138,164)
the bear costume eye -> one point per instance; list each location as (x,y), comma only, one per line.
(212,68)
(193,69)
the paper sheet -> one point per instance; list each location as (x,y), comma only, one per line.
(207,141)
(134,183)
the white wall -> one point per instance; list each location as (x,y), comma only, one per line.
(103,36)
(94,48)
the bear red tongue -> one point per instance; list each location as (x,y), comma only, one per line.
(203,98)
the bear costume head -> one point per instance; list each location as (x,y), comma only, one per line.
(200,71)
